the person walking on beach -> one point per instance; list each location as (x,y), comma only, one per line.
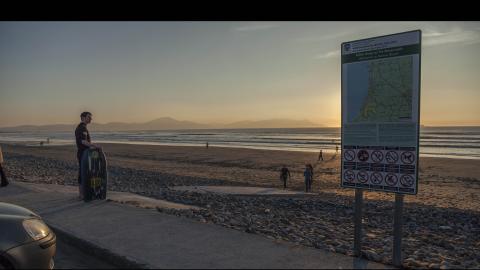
(336,149)
(320,156)
(83,141)
(284,175)
(308,173)
(206,145)
(4,182)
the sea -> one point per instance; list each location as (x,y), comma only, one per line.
(448,142)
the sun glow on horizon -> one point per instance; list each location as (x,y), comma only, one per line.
(216,72)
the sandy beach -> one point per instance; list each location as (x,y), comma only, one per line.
(443,182)
(440,227)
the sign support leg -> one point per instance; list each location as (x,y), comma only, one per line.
(397,231)
(357,245)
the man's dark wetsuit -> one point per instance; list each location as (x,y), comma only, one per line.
(81,134)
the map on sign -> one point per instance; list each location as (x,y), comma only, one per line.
(381,112)
(386,93)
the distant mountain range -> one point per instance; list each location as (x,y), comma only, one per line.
(167,123)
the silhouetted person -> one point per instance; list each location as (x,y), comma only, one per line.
(4,180)
(48,140)
(284,175)
(336,149)
(82,138)
(320,156)
(206,145)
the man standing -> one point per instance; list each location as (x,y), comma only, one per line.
(82,138)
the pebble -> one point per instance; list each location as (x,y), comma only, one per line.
(444,235)
(372,255)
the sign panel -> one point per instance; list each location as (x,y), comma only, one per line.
(381,112)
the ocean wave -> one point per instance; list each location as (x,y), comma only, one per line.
(451,137)
(439,142)
(450,146)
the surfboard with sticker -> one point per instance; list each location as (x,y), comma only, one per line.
(94,175)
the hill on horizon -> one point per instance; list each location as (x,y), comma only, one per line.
(167,123)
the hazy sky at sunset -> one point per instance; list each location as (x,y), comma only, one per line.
(216,71)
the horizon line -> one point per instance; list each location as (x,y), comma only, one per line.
(212,128)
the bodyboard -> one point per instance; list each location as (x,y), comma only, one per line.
(94,175)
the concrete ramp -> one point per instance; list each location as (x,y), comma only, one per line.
(114,196)
(145,202)
(236,190)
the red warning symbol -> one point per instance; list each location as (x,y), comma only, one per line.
(377,156)
(349,155)
(363,155)
(407,157)
(362,176)
(391,157)
(376,178)
(349,176)
(391,179)
(406,180)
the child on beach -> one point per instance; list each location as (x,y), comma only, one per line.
(4,182)
(284,175)
(320,156)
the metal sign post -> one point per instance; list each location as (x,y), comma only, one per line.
(357,242)
(381,122)
(397,231)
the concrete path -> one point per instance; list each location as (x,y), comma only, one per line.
(120,197)
(149,239)
(236,190)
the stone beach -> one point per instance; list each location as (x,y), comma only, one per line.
(441,226)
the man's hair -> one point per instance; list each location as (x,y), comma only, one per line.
(85,114)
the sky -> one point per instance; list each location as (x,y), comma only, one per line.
(216,72)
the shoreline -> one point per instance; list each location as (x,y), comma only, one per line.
(284,149)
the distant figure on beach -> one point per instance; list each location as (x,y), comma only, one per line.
(207,145)
(82,138)
(48,140)
(284,175)
(4,182)
(308,173)
(41,143)
(320,156)
(336,149)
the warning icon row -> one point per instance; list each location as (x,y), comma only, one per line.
(379,156)
(378,178)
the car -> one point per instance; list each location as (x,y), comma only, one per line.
(25,240)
